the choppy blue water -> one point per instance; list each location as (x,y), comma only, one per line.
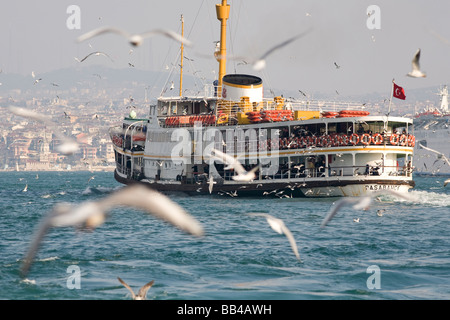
(240,257)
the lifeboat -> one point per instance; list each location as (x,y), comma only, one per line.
(352,113)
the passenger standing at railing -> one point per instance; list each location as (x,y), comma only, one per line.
(367,172)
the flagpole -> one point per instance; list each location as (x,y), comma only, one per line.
(392,94)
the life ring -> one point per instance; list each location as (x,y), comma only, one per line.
(411,140)
(301,142)
(366,139)
(394,139)
(354,139)
(377,138)
(222,118)
(344,139)
(335,140)
(283,143)
(320,141)
(309,142)
(328,141)
(403,141)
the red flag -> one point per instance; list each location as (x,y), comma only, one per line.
(398,92)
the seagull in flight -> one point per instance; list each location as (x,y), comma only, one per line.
(90,214)
(359,203)
(416,72)
(279,226)
(260,63)
(142,291)
(134,39)
(440,154)
(211,183)
(446,182)
(68,146)
(243,175)
(96,53)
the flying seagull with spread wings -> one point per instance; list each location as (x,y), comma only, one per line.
(440,154)
(68,145)
(360,203)
(242,174)
(96,53)
(91,214)
(260,63)
(279,226)
(134,39)
(142,293)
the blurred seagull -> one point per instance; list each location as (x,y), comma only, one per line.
(446,182)
(260,63)
(68,145)
(134,39)
(142,291)
(440,154)
(232,162)
(279,226)
(337,66)
(360,203)
(91,214)
(416,73)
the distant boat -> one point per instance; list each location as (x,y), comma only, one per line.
(432,130)
(26,188)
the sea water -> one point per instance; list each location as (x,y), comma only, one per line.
(403,254)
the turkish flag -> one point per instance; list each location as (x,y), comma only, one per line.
(398,92)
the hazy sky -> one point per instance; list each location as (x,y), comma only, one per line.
(35,37)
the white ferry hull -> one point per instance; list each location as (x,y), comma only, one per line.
(282,189)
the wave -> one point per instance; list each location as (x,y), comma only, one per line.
(97,190)
(430,198)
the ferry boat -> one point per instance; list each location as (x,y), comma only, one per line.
(302,148)
(432,131)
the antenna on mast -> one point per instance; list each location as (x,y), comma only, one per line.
(182,55)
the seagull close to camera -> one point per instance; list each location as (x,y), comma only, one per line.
(279,226)
(211,183)
(416,72)
(440,154)
(360,203)
(91,214)
(96,53)
(243,175)
(68,146)
(135,39)
(142,293)
(260,63)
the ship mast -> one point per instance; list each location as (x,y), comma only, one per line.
(223,12)
(182,55)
